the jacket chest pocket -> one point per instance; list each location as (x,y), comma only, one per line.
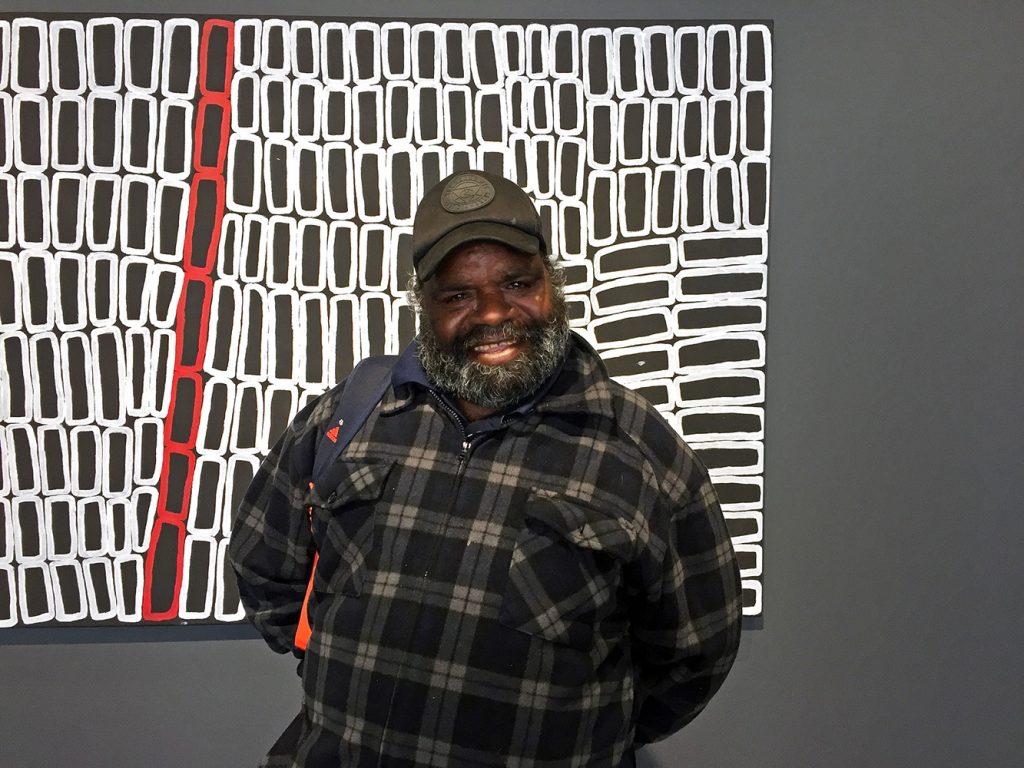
(566,569)
(343,525)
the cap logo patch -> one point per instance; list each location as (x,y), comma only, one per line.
(466,192)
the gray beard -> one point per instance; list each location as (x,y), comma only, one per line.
(496,386)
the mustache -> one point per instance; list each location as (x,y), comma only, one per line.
(510,331)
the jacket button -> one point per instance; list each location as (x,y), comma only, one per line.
(332,497)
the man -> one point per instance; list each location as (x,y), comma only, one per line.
(522,565)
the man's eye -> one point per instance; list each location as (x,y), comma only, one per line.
(453,298)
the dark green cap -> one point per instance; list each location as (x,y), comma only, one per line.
(473,205)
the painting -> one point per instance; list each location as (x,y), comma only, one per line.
(205,223)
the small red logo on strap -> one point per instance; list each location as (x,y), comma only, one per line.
(332,434)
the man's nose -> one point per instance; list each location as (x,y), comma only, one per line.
(492,308)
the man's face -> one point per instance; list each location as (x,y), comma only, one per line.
(493,327)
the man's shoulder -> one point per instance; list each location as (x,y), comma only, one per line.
(634,420)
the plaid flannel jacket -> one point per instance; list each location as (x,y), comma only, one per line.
(547,587)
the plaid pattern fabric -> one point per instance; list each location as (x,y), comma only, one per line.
(548,587)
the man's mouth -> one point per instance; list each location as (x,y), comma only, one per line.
(496,351)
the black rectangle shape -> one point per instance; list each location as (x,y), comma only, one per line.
(8,276)
(365,45)
(139,137)
(755,112)
(308,180)
(634,131)
(108,375)
(720,422)
(36,301)
(27,517)
(61,526)
(215,402)
(29,132)
(75,363)
(164,555)
(194,310)
(722,283)
(141,53)
(756,56)
(180,56)
(204,513)
(720,386)
(178,472)
(345,355)
(243,185)
(248,418)
(274,106)
(103,52)
(103,132)
(369,178)
(627,328)
(368,131)
(138,213)
(486,58)
(429,121)
(34,586)
(692,137)
(644,290)
(720,350)
(31,48)
(338,181)
(216,58)
(92,523)
(731,492)
(721,66)
(722,127)
(69,75)
(310,257)
(280,407)
(198,575)
(175,130)
(170,202)
(186,394)
(34,209)
(17,405)
(601,212)
(636,195)
(688,57)
(639,362)
(601,139)
(305,112)
(314,344)
(277,183)
(649,255)
(377,308)
(278,255)
(696,318)
(722,248)
(455,44)
(213,123)
(374,257)
(54,466)
(69,192)
(253,360)
(284,336)
(118,462)
(757,194)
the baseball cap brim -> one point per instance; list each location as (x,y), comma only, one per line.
(475,230)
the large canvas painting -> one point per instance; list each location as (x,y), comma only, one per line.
(205,222)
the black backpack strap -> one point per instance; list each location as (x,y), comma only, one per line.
(364,388)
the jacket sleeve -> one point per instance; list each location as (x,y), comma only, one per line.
(271,547)
(686,630)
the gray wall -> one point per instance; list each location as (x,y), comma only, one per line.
(893,625)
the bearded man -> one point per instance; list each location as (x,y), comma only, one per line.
(522,564)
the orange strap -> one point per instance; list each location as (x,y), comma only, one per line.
(303,631)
